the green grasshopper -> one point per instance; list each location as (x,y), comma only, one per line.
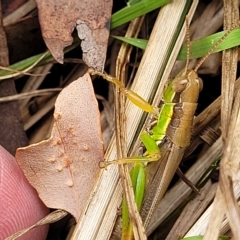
(170,133)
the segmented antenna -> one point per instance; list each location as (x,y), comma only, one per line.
(188,43)
(212,49)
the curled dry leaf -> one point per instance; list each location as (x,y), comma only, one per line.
(92,18)
(50,218)
(64,169)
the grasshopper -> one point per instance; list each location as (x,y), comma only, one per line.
(167,137)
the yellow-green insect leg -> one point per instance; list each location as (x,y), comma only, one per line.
(153,151)
(132,96)
(140,102)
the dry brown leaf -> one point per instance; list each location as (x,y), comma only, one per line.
(92,18)
(65,168)
(50,218)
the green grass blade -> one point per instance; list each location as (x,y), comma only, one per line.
(24,64)
(130,12)
(132,2)
(136,42)
(201,47)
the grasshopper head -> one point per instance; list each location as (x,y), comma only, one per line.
(188,85)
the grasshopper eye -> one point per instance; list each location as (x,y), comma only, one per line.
(179,84)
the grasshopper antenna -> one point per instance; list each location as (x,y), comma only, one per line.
(188,43)
(212,49)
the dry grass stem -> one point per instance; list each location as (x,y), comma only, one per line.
(20,12)
(29,94)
